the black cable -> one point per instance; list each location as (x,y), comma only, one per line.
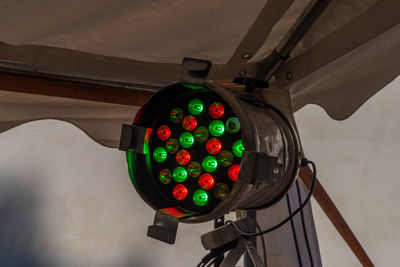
(304,227)
(296,243)
(212,262)
(264,247)
(304,162)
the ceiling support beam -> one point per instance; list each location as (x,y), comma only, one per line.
(330,209)
(60,86)
(281,53)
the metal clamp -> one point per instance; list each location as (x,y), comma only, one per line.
(195,71)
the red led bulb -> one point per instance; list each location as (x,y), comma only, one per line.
(179,192)
(163,132)
(216,110)
(213,146)
(206,181)
(182,157)
(233,172)
(189,123)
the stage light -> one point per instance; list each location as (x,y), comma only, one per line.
(212,151)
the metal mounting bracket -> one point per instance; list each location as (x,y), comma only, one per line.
(195,71)
(133,138)
(260,167)
(164,228)
(228,237)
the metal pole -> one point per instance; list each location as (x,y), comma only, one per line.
(252,214)
(335,217)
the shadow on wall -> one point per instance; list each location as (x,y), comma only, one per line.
(23,240)
(18,224)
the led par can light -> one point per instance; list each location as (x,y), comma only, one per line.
(196,152)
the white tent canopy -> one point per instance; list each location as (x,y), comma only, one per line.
(347,55)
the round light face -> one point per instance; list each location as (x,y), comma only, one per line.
(216,110)
(209,164)
(176,115)
(189,123)
(183,157)
(172,146)
(216,128)
(213,146)
(201,134)
(195,106)
(238,148)
(232,125)
(160,154)
(225,158)
(179,174)
(165,176)
(206,181)
(186,140)
(194,169)
(194,159)
(233,172)
(179,192)
(200,197)
(163,132)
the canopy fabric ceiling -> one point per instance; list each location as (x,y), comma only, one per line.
(101,121)
(143,42)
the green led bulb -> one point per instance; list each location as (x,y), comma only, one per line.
(216,128)
(200,197)
(179,174)
(232,125)
(160,154)
(194,169)
(195,106)
(186,140)
(201,134)
(238,148)
(209,164)
(165,176)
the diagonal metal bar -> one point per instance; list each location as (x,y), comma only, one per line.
(260,30)
(274,60)
(335,217)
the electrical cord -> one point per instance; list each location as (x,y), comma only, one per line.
(214,256)
(304,226)
(304,162)
(296,243)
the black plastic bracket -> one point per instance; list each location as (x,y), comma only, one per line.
(226,233)
(133,138)
(259,168)
(228,238)
(164,228)
(195,71)
(251,83)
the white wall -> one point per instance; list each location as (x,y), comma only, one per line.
(66,201)
(358,161)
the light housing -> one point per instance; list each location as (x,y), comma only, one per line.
(250,150)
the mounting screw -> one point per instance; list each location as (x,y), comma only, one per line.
(276,170)
(289,75)
(243,72)
(246,56)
